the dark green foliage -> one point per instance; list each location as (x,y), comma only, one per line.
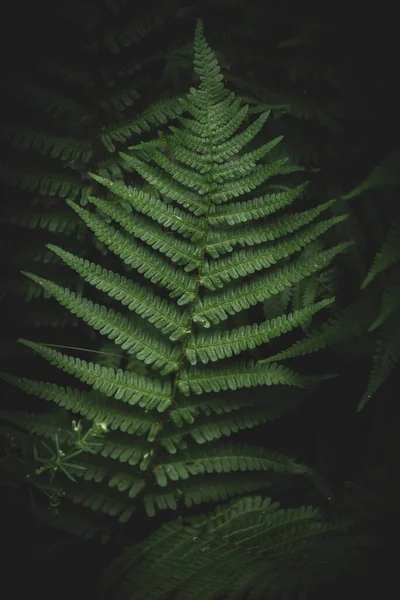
(373,315)
(202,292)
(64,114)
(249,548)
(164,448)
(187,301)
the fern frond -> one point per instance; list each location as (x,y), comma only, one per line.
(217,307)
(255,208)
(347,324)
(200,380)
(233,189)
(210,488)
(125,34)
(92,405)
(389,305)
(157,114)
(167,186)
(127,387)
(206,430)
(120,98)
(115,326)
(207,558)
(387,256)
(153,267)
(226,459)
(178,251)
(163,436)
(115,446)
(221,152)
(47,184)
(59,222)
(57,147)
(386,356)
(165,214)
(189,408)
(45,425)
(244,165)
(216,346)
(222,241)
(106,502)
(161,313)
(246,262)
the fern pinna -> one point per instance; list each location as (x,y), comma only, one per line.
(199,256)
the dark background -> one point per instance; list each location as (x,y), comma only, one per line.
(362,38)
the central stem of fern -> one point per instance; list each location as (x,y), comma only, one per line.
(189,325)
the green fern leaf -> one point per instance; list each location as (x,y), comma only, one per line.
(200,380)
(247,262)
(165,433)
(387,256)
(59,222)
(205,489)
(212,551)
(162,314)
(206,430)
(386,356)
(93,406)
(47,184)
(146,262)
(57,147)
(115,326)
(215,346)
(165,214)
(348,324)
(156,114)
(217,307)
(178,251)
(220,242)
(389,305)
(167,186)
(223,460)
(255,208)
(124,386)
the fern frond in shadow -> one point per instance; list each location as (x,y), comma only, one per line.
(250,548)
(175,315)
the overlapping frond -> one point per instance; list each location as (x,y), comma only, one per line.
(346,325)
(158,113)
(220,242)
(215,346)
(242,548)
(217,307)
(387,256)
(128,387)
(386,356)
(166,214)
(178,251)
(238,375)
(151,265)
(246,262)
(162,314)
